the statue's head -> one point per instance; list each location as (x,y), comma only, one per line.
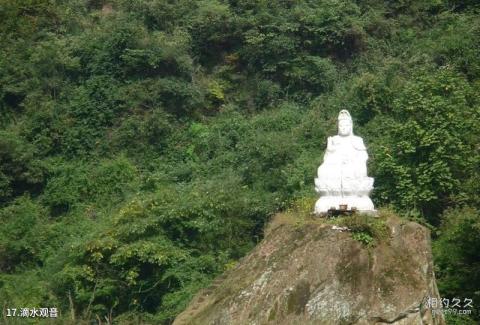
(345,124)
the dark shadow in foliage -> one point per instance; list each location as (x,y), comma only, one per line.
(20,169)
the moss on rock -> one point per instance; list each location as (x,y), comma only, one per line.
(316,273)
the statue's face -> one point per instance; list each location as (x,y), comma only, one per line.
(344,127)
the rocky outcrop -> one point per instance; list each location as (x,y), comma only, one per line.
(318,273)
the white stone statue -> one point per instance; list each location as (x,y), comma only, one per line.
(342,180)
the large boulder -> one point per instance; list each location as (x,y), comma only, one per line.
(316,272)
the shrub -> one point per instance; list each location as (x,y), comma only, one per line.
(365,228)
(456,255)
(426,157)
(23,235)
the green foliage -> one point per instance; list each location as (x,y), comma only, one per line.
(20,170)
(364,238)
(23,235)
(458,319)
(25,17)
(74,184)
(214,25)
(139,134)
(145,144)
(158,250)
(456,255)
(31,284)
(311,74)
(302,208)
(431,135)
(366,229)
(449,49)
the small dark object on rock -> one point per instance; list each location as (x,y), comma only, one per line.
(341,211)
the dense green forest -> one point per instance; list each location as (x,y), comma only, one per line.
(144,144)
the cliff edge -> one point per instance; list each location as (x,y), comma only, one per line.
(353,270)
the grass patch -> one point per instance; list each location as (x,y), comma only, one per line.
(366,229)
(299,213)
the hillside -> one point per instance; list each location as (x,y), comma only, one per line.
(145,145)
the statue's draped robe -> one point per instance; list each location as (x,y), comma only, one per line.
(342,177)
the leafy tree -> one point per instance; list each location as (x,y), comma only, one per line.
(145,144)
(20,170)
(23,235)
(456,255)
(430,139)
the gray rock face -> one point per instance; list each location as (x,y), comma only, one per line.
(318,274)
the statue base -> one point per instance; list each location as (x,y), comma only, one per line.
(360,204)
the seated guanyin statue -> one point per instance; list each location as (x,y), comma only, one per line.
(342,180)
